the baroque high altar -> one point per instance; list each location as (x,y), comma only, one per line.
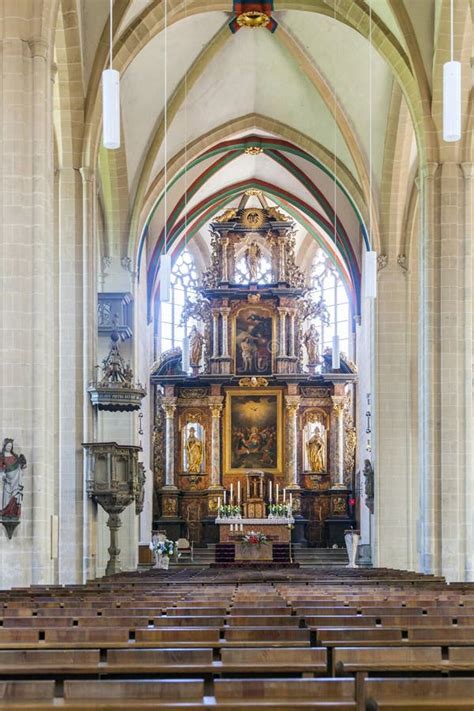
(253,393)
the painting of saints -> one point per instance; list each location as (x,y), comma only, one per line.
(254,432)
(253,338)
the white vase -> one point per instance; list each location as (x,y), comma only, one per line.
(164,562)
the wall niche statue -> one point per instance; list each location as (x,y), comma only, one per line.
(368,472)
(315,443)
(12,466)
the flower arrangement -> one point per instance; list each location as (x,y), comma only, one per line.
(165,547)
(228,511)
(279,510)
(254,538)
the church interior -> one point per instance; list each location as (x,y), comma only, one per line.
(237,356)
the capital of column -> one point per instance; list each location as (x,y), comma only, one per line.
(292,403)
(338,404)
(87,174)
(428,170)
(224,310)
(216,406)
(282,310)
(169,406)
(38,47)
(468,171)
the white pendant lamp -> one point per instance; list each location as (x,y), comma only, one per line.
(452,93)
(370,275)
(111,100)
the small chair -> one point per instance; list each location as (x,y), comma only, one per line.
(184,548)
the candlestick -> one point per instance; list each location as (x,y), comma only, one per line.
(225,496)
(270,491)
(284,495)
(291,500)
(238,492)
(277,492)
(231,493)
(218,504)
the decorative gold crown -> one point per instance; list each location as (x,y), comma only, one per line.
(253,19)
(253,150)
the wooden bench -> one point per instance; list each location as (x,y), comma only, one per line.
(28,695)
(453,694)
(274,659)
(346,660)
(246,694)
(178,636)
(108,694)
(263,621)
(48,661)
(262,636)
(180,661)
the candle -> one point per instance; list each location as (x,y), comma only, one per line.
(238,492)
(284,495)
(291,500)
(270,491)
(225,496)
(277,492)
(231,493)
(218,504)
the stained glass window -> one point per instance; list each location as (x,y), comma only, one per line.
(184,280)
(328,285)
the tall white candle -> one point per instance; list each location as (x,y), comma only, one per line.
(291,500)
(231,493)
(277,492)
(218,504)
(284,495)
(238,492)
(225,496)
(270,491)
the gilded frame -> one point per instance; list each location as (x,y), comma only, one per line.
(266,312)
(232,396)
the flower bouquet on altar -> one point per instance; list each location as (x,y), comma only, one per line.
(254,538)
(162,551)
(279,511)
(228,511)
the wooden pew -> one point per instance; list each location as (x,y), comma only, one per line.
(263,620)
(246,694)
(159,661)
(26,662)
(27,695)
(110,694)
(266,636)
(274,659)
(451,694)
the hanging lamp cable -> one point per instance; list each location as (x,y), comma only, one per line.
(111,15)
(165,118)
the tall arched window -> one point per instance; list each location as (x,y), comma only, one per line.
(184,280)
(328,284)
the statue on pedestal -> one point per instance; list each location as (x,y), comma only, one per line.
(196,342)
(252,260)
(311,341)
(316,452)
(194,452)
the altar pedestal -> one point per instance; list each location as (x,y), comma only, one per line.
(255,553)
(278,530)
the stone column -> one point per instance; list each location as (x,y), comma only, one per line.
(292,403)
(429,377)
(225,262)
(292,334)
(225,311)
(169,407)
(282,312)
(468,174)
(338,407)
(281,259)
(216,406)
(215,334)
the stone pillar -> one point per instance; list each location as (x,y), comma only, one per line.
(292,334)
(225,262)
(225,311)
(169,407)
(215,334)
(216,406)
(338,407)
(292,403)
(429,377)
(282,313)
(468,174)
(281,260)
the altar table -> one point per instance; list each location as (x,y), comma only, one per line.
(277,530)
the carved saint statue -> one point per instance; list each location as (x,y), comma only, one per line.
(369,479)
(316,454)
(11,466)
(196,342)
(193,452)
(246,350)
(311,341)
(252,259)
